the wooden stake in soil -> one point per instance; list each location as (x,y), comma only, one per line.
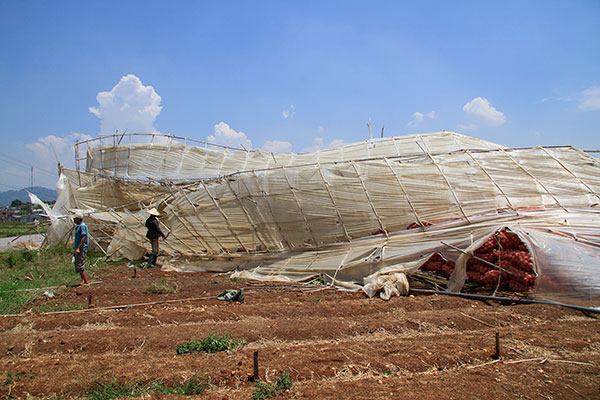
(255,376)
(89,300)
(496,356)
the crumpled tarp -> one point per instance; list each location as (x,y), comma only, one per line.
(342,213)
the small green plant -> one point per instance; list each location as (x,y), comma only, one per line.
(28,256)
(194,386)
(210,344)
(12,378)
(112,389)
(266,390)
(318,280)
(12,260)
(161,288)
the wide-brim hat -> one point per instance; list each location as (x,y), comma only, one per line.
(153,211)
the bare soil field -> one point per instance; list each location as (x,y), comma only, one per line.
(336,345)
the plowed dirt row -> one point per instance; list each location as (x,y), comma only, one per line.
(336,345)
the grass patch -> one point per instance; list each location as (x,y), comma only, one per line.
(114,390)
(10,229)
(211,344)
(193,386)
(12,378)
(266,390)
(22,272)
(162,288)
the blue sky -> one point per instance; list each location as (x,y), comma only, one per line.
(293,75)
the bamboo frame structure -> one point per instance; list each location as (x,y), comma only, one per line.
(533,177)
(299,214)
(458,202)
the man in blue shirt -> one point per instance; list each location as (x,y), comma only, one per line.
(81,244)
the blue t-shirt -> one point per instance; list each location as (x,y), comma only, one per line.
(79,232)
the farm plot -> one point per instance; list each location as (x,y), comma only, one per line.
(333,344)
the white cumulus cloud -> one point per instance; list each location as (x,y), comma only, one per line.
(45,149)
(289,113)
(482,111)
(129,105)
(277,146)
(589,99)
(48,148)
(320,144)
(419,117)
(226,136)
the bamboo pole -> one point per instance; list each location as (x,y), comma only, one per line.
(131,135)
(282,235)
(220,170)
(184,243)
(102,224)
(299,206)
(381,226)
(458,202)
(115,153)
(248,218)
(77,162)
(337,210)
(396,149)
(166,156)
(257,208)
(491,179)
(114,213)
(340,266)
(183,155)
(97,244)
(204,224)
(477,258)
(246,161)
(412,207)
(571,172)
(194,234)
(505,299)
(310,264)
(227,221)
(532,177)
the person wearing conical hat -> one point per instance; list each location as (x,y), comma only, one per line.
(153,234)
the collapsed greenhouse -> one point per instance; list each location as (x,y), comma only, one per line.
(352,216)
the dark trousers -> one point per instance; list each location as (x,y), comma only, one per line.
(154,254)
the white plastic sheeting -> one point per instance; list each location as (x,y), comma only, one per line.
(342,213)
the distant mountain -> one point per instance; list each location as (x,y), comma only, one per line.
(43,193)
